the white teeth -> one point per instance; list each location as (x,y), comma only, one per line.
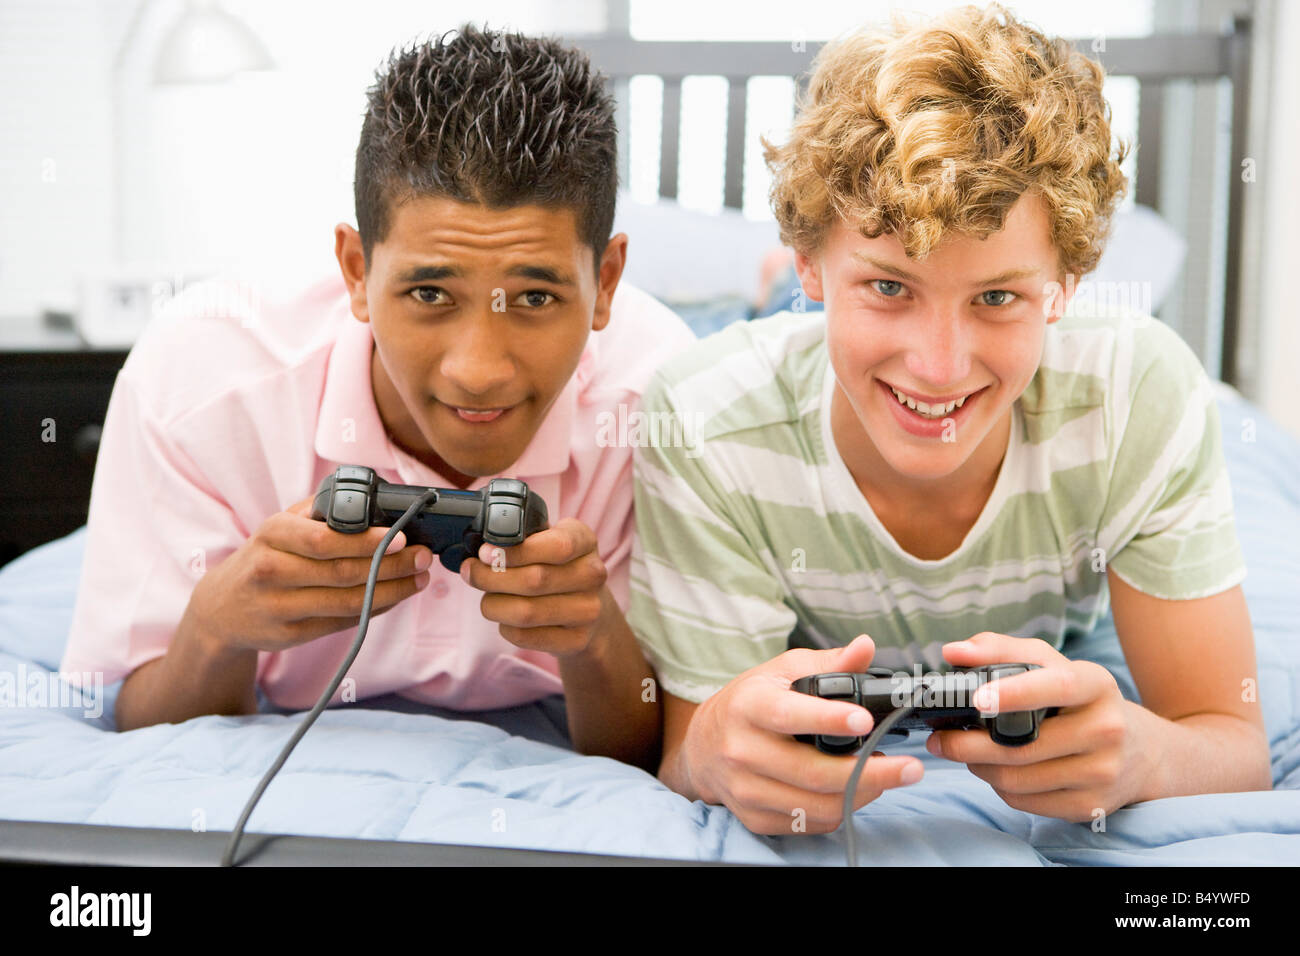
(929,411)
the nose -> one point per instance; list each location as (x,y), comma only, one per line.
(939,354)
(479,361)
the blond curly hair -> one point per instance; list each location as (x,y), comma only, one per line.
(925,128)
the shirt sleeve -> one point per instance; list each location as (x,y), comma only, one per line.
(705,604)
(154,527)
(1167,526)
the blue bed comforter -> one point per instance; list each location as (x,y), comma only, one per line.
(388,769)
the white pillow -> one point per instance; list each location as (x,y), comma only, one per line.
(681,255)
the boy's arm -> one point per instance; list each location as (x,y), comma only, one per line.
(1174,568)
(1174,573)
(1194,666)
(291,582)
(1200,730)
(737,747)
(610,697)
(196,676)
(552,593)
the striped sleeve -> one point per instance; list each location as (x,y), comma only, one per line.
(704,605)
(1167,526)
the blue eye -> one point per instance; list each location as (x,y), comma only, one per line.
(1005,297)
(889,288)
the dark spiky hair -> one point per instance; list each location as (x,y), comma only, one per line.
(492,118)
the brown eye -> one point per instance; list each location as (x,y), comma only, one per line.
(428,294)
(536,298)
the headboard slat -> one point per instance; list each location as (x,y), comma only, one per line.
(734,179)
(670,137)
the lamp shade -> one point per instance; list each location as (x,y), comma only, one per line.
(208,45)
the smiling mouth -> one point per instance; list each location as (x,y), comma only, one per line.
(933,411)
(478,416)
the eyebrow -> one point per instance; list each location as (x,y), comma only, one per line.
(428,273)
(434,273)
(1008,276)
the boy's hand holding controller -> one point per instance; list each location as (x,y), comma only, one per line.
(297,579)
(548,593)
(292,581)
(739,748)
(1095,755)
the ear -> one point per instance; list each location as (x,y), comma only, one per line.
(810,276)
(611,270)
(1059,292)
(352,263)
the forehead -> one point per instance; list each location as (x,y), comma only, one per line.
(1025,240)
(437,228)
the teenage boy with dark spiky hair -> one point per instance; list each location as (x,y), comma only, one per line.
(456,347)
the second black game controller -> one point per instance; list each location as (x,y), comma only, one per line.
(941,701)
(453,525)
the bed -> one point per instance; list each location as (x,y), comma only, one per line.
(387,781)
(507,783)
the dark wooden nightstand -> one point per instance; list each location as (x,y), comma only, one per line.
(52,386)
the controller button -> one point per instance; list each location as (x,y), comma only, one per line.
(1009,670)
(509,486)
(504,521)
(833,741)
(353,473)
(1019,724)
(349,507)
(838,688)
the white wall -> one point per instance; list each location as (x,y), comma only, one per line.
(250,175)
(1279,242)
(55,177)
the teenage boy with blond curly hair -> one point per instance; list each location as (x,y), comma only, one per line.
(945,460)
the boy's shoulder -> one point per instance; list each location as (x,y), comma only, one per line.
(221,336)
(641,335)
(1091,359)
(749,375)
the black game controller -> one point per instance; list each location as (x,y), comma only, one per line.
(454,525)
(941,701)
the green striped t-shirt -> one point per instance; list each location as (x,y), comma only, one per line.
(752,534)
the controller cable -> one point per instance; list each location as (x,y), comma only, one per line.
(228,857)
(850,791)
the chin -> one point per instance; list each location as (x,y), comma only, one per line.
(480,466)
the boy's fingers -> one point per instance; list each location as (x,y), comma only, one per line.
(790,712)
(587,574)
(350,572)
(802,662)
(303,535)
(990,647)
(806,767)
(856,656)
(559,544)
(302,508)
(301,603)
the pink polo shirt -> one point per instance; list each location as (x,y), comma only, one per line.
(229,410)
